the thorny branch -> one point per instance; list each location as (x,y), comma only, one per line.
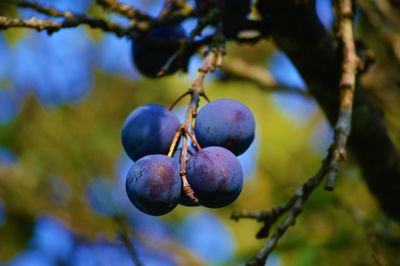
(336,152)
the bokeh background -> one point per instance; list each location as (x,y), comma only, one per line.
(63,100)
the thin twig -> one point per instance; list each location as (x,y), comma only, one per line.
(49,11)
(350,66)
(240,69)
(170,6)
(268,218)
(121,223)
(186,186)
(71,20)
(185,48)
(175,141)
(192,138)
(124,10)
(178,100)
(33,23)
(143,22)
(293,208)
(51,26)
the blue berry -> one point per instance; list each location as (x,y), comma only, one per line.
(149,129)
(152,51)
(226,123)
(216,176)
(153,184)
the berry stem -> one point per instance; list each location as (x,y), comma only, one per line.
(175,141)
(192,137)
(210,62)
(194,102)
(178,100)
(186,186)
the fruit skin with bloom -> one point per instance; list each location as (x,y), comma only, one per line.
(153,184)
(149,129)
(226,123)
(216,176)
(152,50)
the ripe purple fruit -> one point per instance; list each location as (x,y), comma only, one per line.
(153,184)
(149,129)
(226,123)
(151,51)
(216,176)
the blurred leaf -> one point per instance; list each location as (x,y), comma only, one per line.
(15,234)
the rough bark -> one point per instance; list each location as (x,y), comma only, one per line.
(297,30)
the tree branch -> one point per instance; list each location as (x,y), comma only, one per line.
(350,65)
(143,22)
(124,10)
(293,208)
(33,23)
(46,10)
(71,20)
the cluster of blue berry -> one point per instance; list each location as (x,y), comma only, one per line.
(224,128)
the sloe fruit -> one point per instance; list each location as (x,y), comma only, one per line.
(153,184)
(149,129)
(226,123)
(151,51)
(216,176)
